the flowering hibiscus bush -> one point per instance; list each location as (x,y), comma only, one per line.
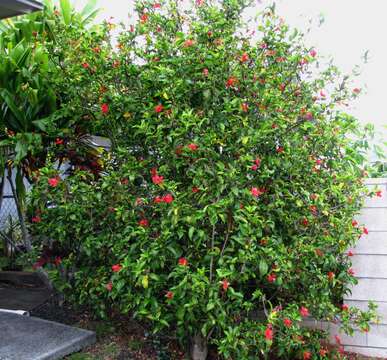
(226,207)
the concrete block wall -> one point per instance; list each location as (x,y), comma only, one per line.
(370,265)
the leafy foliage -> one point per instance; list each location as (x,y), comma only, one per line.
(226,206)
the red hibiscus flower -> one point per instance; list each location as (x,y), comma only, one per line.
(323,352)
(338,340)
(349,253)
(158,199)
(109,286)
(143,223)
(287,322)
(225,284)
(59,141)
(168,198)
(169,295)
(116,267)
(365,231)
(331,275)
(344,307)
(159,108)
(36,219)
(85,65)
(189,43)
(269,333)
(256,192)
(231,81)
(245,107)
(244,57)
(379,193)
(254,167)
(304,312)
(144,18)
(307,355)
(57,260)
(105,108)
(271,278)
(305,222)
(195,189)
(157,179)
(193,146)
(53,182)
(354,223)
(183,262)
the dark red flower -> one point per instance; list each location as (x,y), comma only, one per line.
(158,199)
(169,295)
(109,286)
(354,223)
(59,141)
(36,219)
(159,108)
(331,275)
(269,333)
(53,182)
(195,189)
(313,209)
(183,262)
(307,355)
(379,193)
(304,311)
(257,192)
(168,198)
(305,222)
(350,253)
(288,322)
(254,167)
(116,268)
(85,65)
(105,108)
(189,43)
(143,223)
(124,181)
(57,260)
(193,146)
(144,18)
(231,81)
(225,284)
(344,307)
(271,278)
(280,149)
(365,231)
(244,57)
(245,107)
(157,179)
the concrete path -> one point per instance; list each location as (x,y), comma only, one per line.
(30,338)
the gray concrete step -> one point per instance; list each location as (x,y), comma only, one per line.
(30,338)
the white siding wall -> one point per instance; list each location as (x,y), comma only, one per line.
(370,265)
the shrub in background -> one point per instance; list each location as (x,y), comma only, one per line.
(226,208)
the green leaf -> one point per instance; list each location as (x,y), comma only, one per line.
(263,268)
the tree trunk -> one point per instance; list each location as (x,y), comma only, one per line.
(198,347)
